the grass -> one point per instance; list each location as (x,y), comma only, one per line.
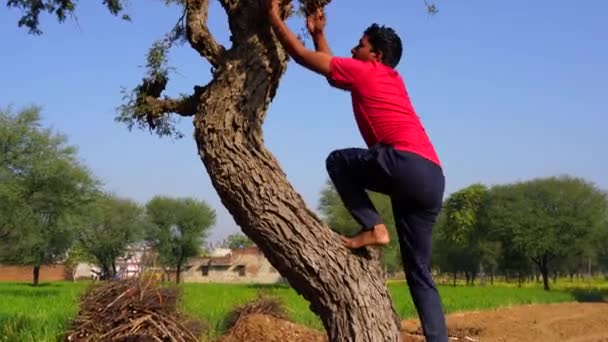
(475,298)
(212,303)
(36,314)
(563,283)
(196,300)
(42,314)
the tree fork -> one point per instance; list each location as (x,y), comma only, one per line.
(198,33)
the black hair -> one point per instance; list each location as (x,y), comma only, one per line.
(385,39)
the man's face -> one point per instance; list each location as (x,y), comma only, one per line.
(363,51)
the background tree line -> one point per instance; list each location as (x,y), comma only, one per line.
(53,209)
(534,229)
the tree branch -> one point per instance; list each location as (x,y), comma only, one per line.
(198,33)
(185,106)
(431,8)
(145,108)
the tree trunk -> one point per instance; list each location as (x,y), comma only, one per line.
(544,270)
(346,289)
(545,273)
(455,274)
(520,279)
(105,272)
(178,272)
(36,275)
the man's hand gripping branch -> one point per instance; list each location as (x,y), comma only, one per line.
(317,61)
(315,23)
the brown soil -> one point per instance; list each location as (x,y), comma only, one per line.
(265,328)
(572,322)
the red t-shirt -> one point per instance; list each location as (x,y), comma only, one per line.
(382,107)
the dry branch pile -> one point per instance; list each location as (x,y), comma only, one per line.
(132,310)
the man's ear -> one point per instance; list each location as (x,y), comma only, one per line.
(379,56)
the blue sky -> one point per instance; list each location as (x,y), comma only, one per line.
(507,90)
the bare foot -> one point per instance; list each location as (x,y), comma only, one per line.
(378,236)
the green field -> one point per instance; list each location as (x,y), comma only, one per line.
(36,314)
(41,314)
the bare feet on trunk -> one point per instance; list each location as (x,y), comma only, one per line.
(378,236)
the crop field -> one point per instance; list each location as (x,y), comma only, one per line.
(42,314)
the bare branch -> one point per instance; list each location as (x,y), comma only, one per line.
(144,108)
(431,8)
(198,33)
(185,106)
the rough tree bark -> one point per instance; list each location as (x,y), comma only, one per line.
(346,289)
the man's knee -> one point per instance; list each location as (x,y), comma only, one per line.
(334,161)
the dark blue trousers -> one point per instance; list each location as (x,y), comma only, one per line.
(416,187)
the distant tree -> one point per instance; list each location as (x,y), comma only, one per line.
(451,258)
(445,254)
(514,262)
(461,233)
(107,228)
(462,213)
(177,229)
(238,240)
(42,185)
(600,244)
(545,219)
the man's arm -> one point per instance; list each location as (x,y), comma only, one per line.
(316,61)
(321,43)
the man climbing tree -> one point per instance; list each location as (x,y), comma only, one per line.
(346,289)
(400,162)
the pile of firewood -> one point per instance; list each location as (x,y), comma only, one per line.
(137,309)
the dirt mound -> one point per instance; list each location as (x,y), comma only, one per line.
(266,328)
(262,305)
(134,310)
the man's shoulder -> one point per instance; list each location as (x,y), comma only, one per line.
(368,70)
(350,73)
(350,61)
(367,67)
